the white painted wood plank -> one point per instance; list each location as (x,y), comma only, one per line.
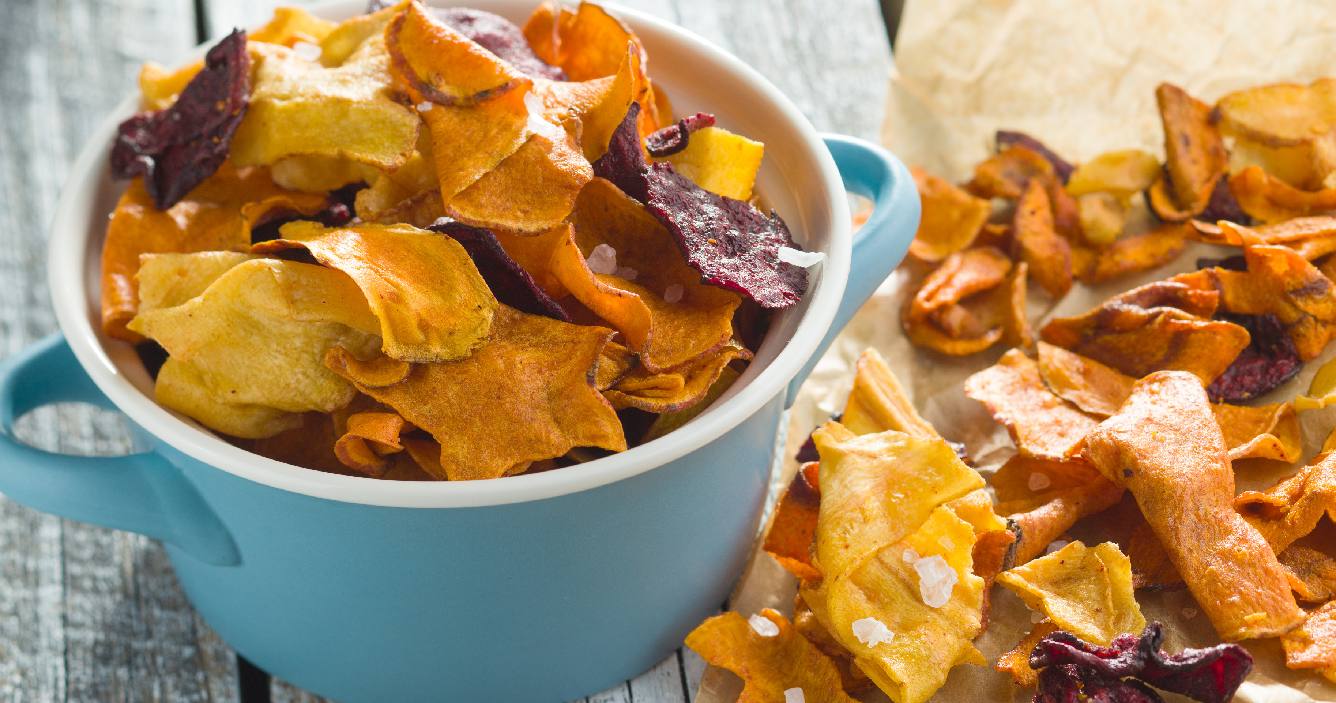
(620,693)
(662,684)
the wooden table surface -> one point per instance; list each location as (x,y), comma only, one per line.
(88,614)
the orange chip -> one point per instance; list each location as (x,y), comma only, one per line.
(1293,506)
(1024,483)
(1260,432)
(535,374)
(1269,199)
(1041,424)
(962,274)
(1165,446)
(1312,572)
(791,535)
(1288,232)
(935,318)
(1039,526)
(311,446)
(443,65)
(1089,385)
(951,218)
(530,191)
(368,439)
(1134,254)
(432,303)
(1017,661)
(1048,254)
(1313,644)
(1195,157)
(1006,174)
(1280,282)
(673,390)
(770,657)
(216,216)
(613,364)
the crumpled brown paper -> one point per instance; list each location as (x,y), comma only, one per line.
(1081,77)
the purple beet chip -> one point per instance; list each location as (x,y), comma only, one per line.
(510,283)
(1269,360)
(1006,138)
(730,243)
(674,137)
(501,37)
(176,148)
(1223,205)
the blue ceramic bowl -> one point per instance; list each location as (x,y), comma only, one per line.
(529,588)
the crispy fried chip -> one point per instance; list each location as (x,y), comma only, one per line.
(531,190)
(1313,573)
(1313,644)
(1048,254)
(299,107)
(1293,506)
(951,218)
(1269,199)
(1140,252)
(536,373)
(168,280)
(1158,326)
(255,337)
(432,303)
(442,64)
(720,161)
(878,401)
(1165,446)
(217,215)
(963,274)
(769,664)
(937,316)
(675,390)
(1280,282)
(1087,592)
(1041,424)
(1006,173)
(1016,661)
(1281,114)
(1195,157)
(1089,385)
(311,445)
(792,531)
(1122,173)
(669,421)
(1039,526)
(369,439)
(1024,483)
(1103,218)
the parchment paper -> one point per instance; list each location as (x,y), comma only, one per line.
(1081,77)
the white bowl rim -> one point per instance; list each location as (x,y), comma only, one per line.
(66,264)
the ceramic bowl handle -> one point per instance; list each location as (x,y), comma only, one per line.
(880,244)
(141,492)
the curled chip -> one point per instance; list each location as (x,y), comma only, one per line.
(675,137)
(1040,526)
(1134,254)
(1089,385)
(1158,326)
(1313,644)
(1005,139)
(677,389)
(1041,424)
(432,303)
(1121,173)
(510,283)
(1039,245)
(290,313)
(1103,218)
(369,439)
(217,215)
(1294,506)
(672,420)
(501,37)
(792,531)
(1195,157)
(176,148)
(731,243)
(1165,446)
(1086,591)
(1016,661)
(1269,199)
(1005,174)
(442,64)
(948,313)
(960,276)
(537,374)
(1280,282)
(1313,573)
(770,656)
(952,218)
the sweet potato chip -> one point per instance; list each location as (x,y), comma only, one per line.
(1024,483)
(1041,424)
(1039,526)
(217,215)
(1195,157)
(441,64)
(256,337)
(1006,173)
(1089,385)
(1287,233)
(951,218)
(1269,199)
(1122,173)
(770,657)
(962,274)
(432,303)
(1165,446)
(1016,661)
(536,373)
(674,390)
(300,107)
(1313,644)
(1038,244)
(672,420)
(792,531)
(1293,506)
(1085,591)
(369,438)
(1312,572)
(940,317)
(531,190)
(1140,252)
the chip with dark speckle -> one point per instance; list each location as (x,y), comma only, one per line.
(501,37)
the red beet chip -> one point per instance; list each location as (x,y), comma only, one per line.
(1209,675)
(1006,139)
(501,37)
(1269,360)
(732,244)
(1223,205)
(176,148)
(674,137)
(509,282)
(338,212)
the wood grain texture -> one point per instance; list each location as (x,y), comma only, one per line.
(94,615)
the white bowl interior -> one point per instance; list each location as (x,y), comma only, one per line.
(797,179)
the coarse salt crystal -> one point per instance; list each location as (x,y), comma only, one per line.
(306,51)
(603,259)
(794,695)
(936,579)
(1038,481)
(798,257)
(1055,545)
(425,106)
(910,556)
(872,632)
(762,625)
(627,272)
(673,293)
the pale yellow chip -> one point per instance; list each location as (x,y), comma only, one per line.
(257,336)
(300,107)
(168,280)
(1086,591)
(319,174)
(1123,173)
(720,161)
(878,402)
(182,387)
(432,303)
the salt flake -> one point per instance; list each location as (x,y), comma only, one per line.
(872,632)
(798,257)
(936,579)
(762,625)
(794,695)
(910,556)
(425,106)
(603,259)
(673,293)
(1038,481)
(307,51)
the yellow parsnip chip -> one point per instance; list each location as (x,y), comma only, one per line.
(770,657)
(720,161)
(1085,591)
(1122,173)
(432,303)
(878,401)
(168,280)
